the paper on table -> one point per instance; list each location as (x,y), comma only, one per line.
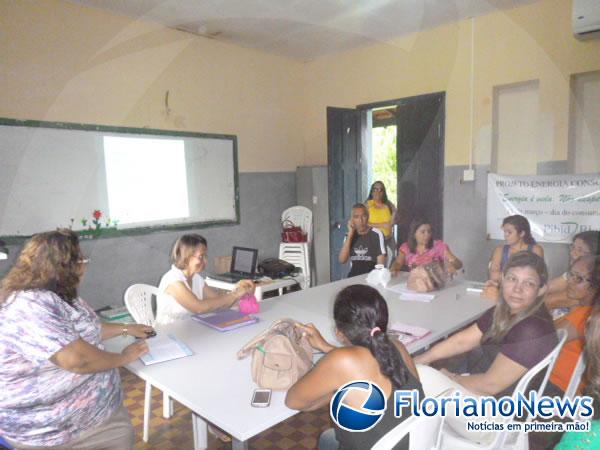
(408,295)
(475,286)
(164,348)
(407,334)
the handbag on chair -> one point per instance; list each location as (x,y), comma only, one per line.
(292,232)
(280,355)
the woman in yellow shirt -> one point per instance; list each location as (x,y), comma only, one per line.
(382,215)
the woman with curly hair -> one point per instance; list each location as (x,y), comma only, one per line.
(58,386)
(361,320)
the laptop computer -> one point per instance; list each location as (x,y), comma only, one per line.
(243,266)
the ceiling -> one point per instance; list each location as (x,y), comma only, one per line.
(302,29)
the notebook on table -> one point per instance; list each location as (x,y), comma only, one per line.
(407,334)
(164,348)
(243,266)
(226,320)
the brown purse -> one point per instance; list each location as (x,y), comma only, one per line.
(280,355)
(427,277)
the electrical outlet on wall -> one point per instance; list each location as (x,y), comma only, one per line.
(469,175)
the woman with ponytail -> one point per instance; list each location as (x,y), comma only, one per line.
(361,320)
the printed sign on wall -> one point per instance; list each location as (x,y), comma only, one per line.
(557,206)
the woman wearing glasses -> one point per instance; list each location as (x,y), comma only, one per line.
(585,243)
(382,215)
(510,339)
(58,387)
(583,292)
(182,290)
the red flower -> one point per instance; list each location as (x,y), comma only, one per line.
(97,214)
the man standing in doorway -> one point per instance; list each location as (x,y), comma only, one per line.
(365,246)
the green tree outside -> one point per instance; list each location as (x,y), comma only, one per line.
(384,159)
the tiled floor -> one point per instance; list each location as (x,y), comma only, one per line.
(298,433)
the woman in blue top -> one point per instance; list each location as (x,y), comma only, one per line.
(518,238)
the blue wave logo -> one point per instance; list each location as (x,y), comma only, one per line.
(358,419)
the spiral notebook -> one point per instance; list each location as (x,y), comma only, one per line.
(226,320)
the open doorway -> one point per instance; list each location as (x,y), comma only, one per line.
(383,150)
(382,168)
(419,152)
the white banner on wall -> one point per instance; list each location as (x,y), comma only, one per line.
(557,206)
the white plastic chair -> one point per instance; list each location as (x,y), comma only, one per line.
(297,253)
(425,432)
(138,300)
(301,217)
(575,378)
(505,440)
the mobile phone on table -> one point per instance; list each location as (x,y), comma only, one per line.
(261,398)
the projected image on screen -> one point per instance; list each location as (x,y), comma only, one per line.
(156,189)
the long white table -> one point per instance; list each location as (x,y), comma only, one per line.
(217,387)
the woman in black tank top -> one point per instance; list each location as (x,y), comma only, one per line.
(361,319)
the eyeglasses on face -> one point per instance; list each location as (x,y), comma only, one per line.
(577,278)
(377,189)
(528,285)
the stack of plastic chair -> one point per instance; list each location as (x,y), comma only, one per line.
(298,253)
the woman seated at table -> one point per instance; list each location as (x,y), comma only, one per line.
(58,387)
(510,338)
(588,440)
(361,320)
(584,244)
(518,238)
(583,291)
(182,290)
(382,214)
(421,249)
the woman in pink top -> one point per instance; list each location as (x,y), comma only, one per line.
(421,249)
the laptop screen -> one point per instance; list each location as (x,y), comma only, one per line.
(244,260)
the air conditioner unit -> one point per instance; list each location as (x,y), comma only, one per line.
(586,18)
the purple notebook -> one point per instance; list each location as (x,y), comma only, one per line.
(225,320)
